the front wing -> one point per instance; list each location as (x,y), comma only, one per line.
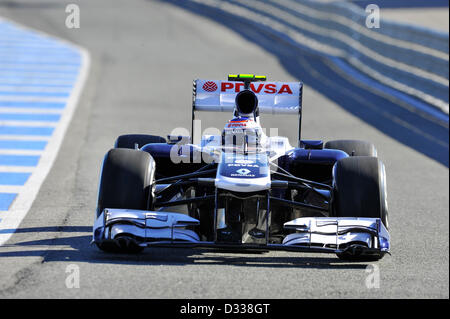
(356,236)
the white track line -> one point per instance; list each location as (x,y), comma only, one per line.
(21,98)
(28,123)
(17,169)
(30,110)
(19,152)
(24,137)
(11,219)
(40,89)
(12,190)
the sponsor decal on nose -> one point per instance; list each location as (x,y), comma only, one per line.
(243,171)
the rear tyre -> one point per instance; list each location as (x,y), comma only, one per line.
(126,181)
(353,147)
(130,140)
(359,190)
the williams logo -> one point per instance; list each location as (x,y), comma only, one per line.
(243,171)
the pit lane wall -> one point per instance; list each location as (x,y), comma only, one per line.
(409,59)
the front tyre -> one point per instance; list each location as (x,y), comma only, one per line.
(359,190)
(139,140)
(353,147)
(126,182)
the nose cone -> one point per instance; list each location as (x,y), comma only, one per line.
(246,102)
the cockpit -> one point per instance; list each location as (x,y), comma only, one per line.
(244,133)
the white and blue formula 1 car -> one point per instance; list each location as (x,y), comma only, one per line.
(243,189)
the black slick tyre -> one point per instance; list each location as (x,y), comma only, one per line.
(126,181)
(359,190)
(353,147)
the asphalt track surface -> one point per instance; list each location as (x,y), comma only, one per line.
(144,55)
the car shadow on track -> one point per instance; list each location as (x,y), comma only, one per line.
(397,119)
(67,248)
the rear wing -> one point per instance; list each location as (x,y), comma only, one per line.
(273,97)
